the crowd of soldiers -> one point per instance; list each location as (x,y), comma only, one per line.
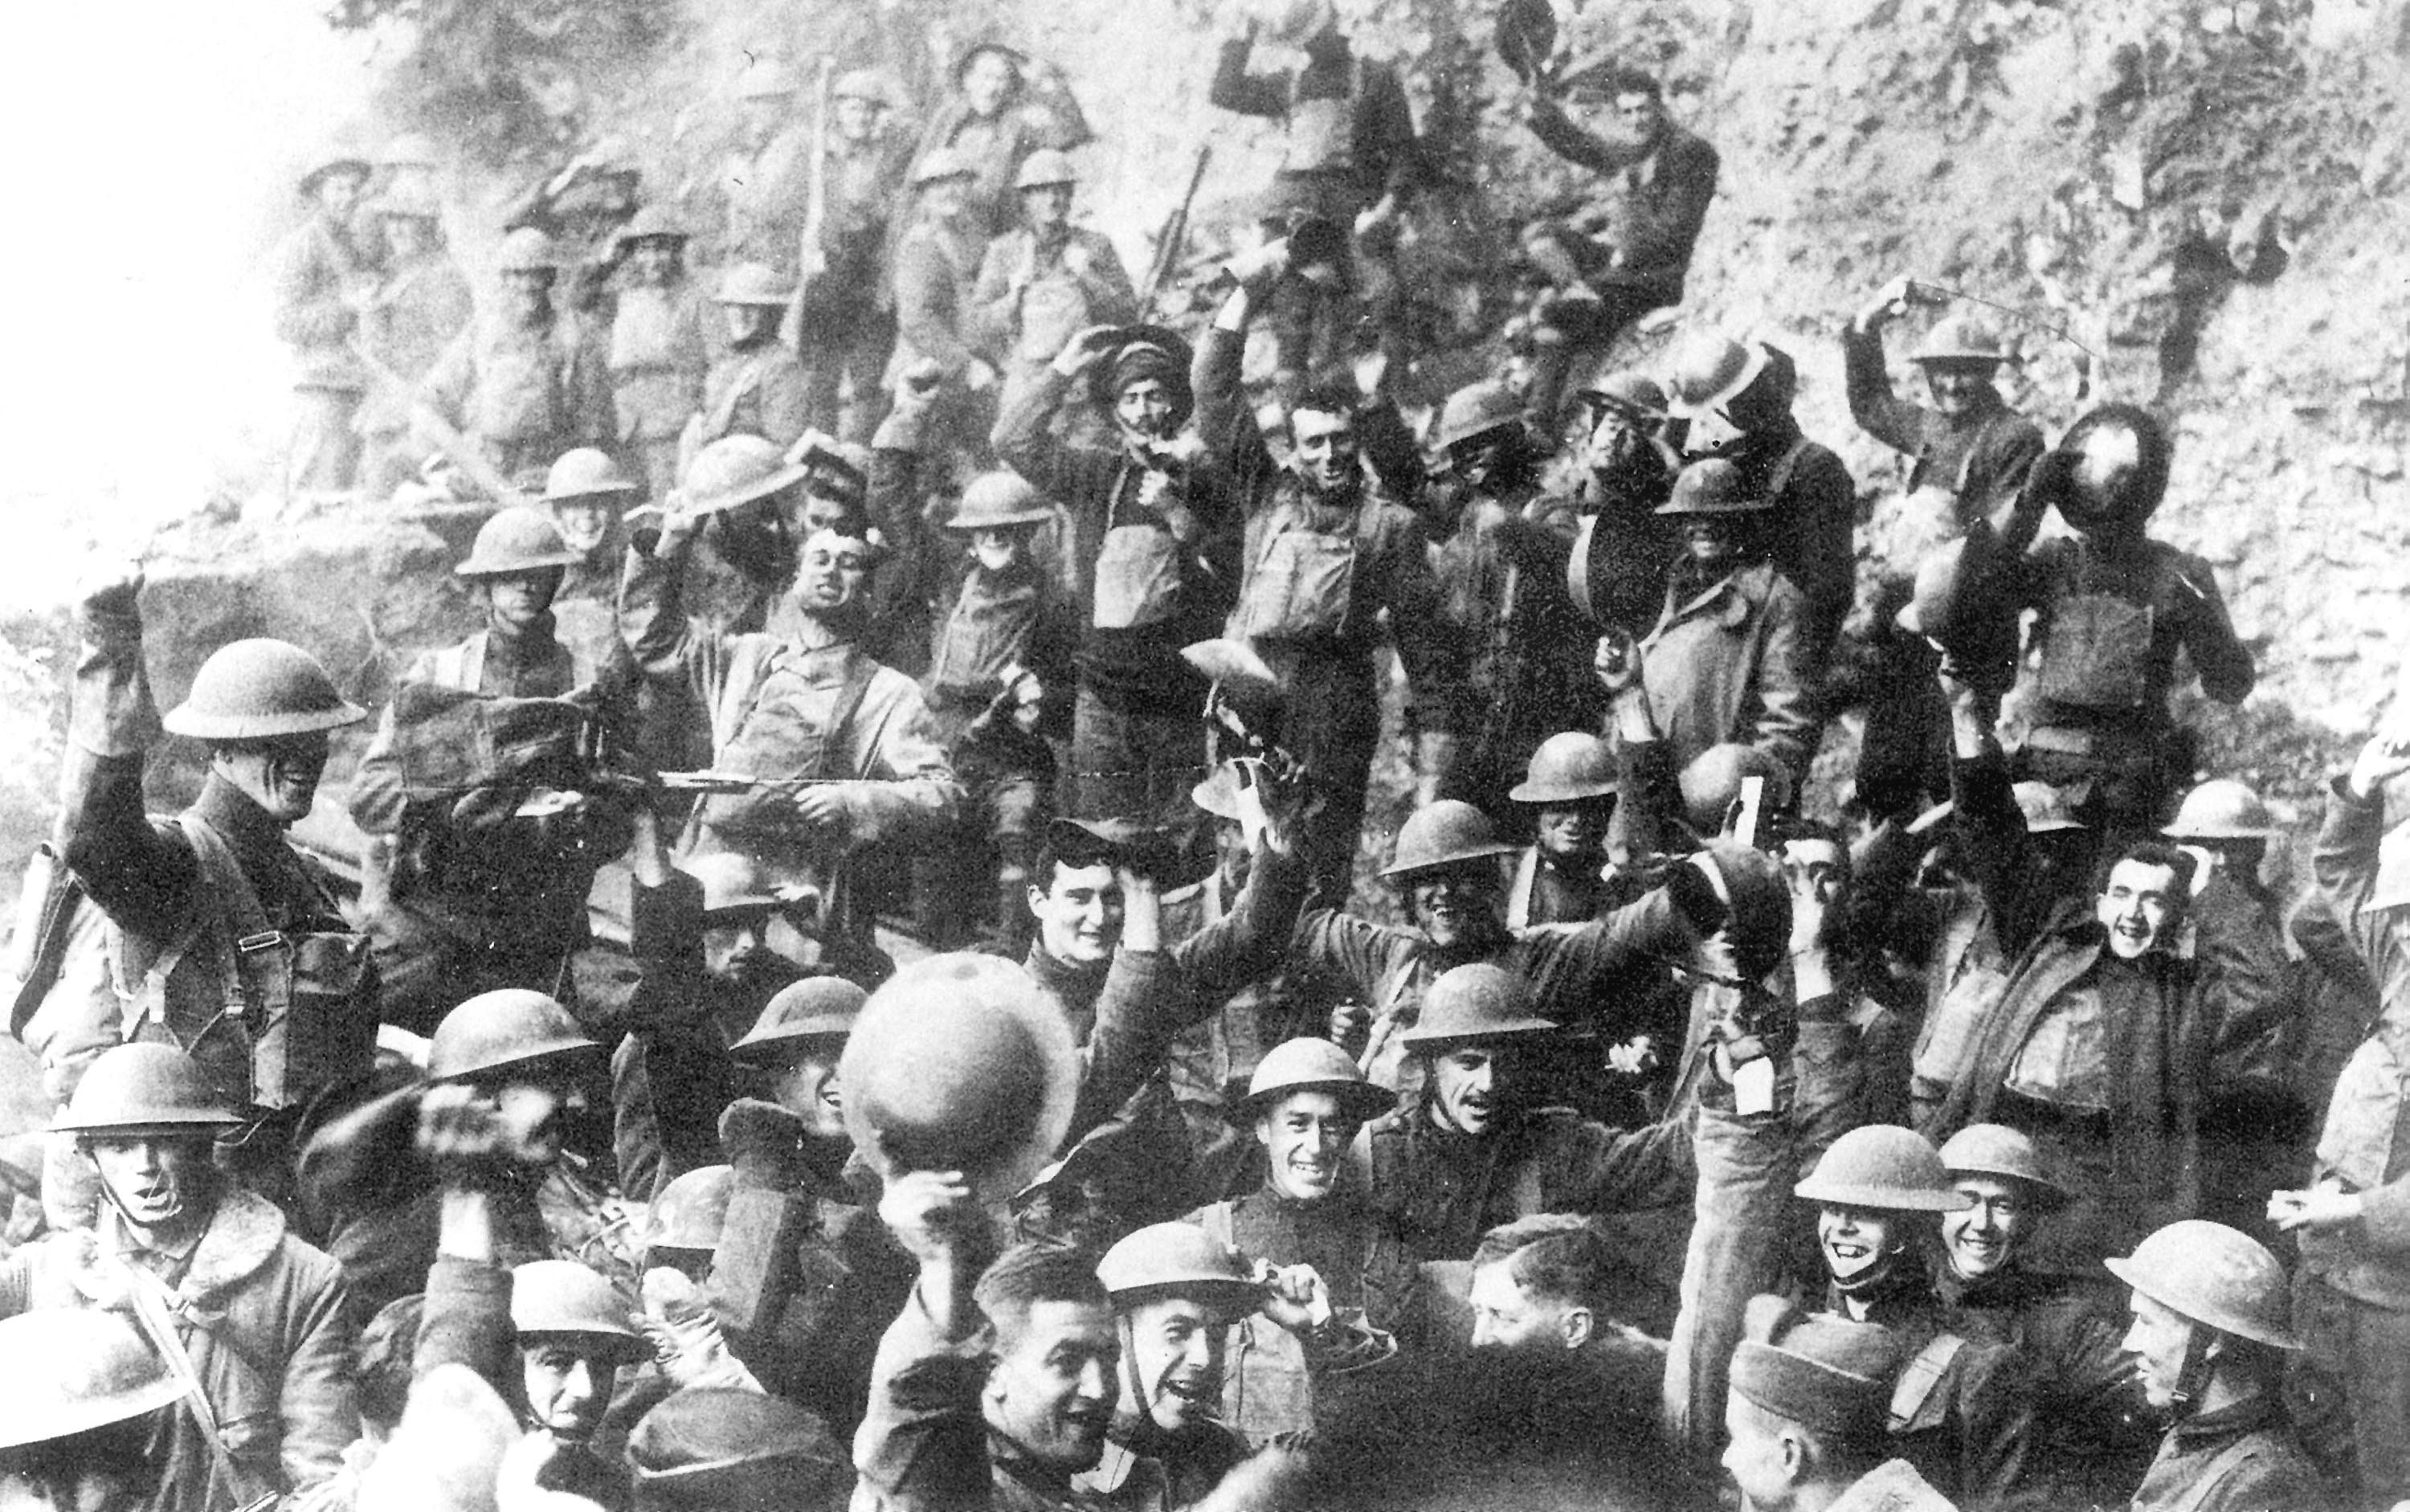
(858,986)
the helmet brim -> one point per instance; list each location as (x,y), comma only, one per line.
(1881,1199)
(1420,1038)
(167,1120)
(1359,1101)
(183,720)
(1752,365)
(1441,863)
(2122,1266)
(541,561)
(1563,792)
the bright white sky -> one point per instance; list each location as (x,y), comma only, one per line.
(151,146)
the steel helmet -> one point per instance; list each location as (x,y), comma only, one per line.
(1441,833)
(731,882)
(941,162)
(1474,1002)
(407,150)
(2222,808)
(1218,793)
(1711,371)
(1044,168)
(508,1026)
(1885,1167)
(1314,1065)
(737,470)
(528,250)
(706,1448)
(998,500)
(653,223)
(1712,485)
(516,540)
(756,284)
(356,167)
(258,690)
(1961,339)
(1760,925)
(871,85)
(959,1063)
(1997,1150)
(1711,783)
(1570,766)
(585,473)
(766,78)
(2213,1276)
(1476,410)
(2116,466)
(1635,394)
(562,1297)
(814,1008)
(691,1211)
(145,1087)
(75,1369)
(1178,1260)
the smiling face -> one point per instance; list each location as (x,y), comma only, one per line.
(162,1182)
(1051,1392)
(1984,1238)
(805,1085)
(1458,905)
(2135,906)
(1576,834)
(1326,447)
(1000,550)
(586,520)
(1708,540)
(569,1379)
(1958,389)
(831,572)
(1079,913)
(1471,1085)
(280,775)
(1857,1239)
(1305,1135)
(1176,1348)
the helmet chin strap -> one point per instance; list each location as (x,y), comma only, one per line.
(2192,1377)
(1873,1275)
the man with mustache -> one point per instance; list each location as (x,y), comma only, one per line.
(257,1314)
(2092,1046)
(1151,552)
(2091,1437)
(179,897)
(1329,556)
(2211,1331)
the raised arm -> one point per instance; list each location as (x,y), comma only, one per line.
(139,875)
(1880,412)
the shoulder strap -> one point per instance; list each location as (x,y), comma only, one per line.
(1218,1221)
(859,671)
(1913,1404)
(1784,466)
(740,687)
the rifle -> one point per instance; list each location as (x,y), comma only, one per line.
(1175,232)
(457,448)
(809,254)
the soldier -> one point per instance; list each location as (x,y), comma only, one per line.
(1502,567)
(1969,453)
(2112,608)
(1000,687)
(480,871)
(1734,401)
(765,178)
(1329,554)
(575,1338)
(799,704)
(1003,110)
(2351,1293)
(2210,1335)
(1629,250)
(585,492)
(184,897)
(419,306)
(1617,569)
(2091,1436)
(848,325)
(324,280)
(80,1412)
(757,385)
(659,355)
(1176,1292)
(1151,544)
(1804,1421)
(214,1277)
(936,269)
(1045,280)
(1569,790)
(1732,659)
(524,383)
(1308,1103)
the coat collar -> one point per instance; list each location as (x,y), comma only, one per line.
(1729,599)
(241,1235)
